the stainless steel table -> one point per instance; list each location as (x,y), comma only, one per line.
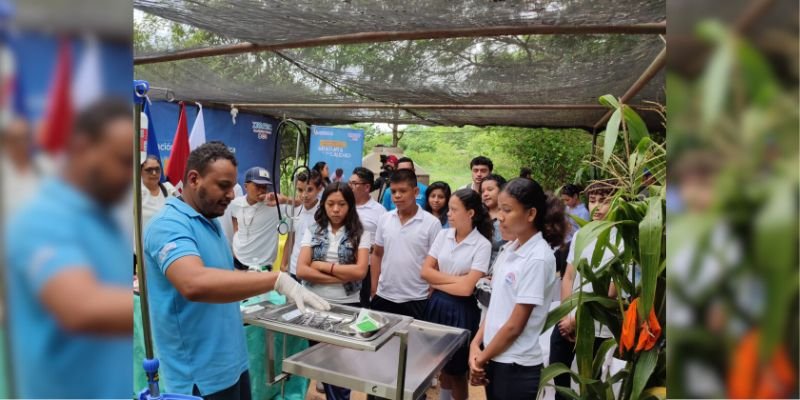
(404,351)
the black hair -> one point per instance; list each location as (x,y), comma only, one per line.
(481,219)
(310,176)
(501,182)
(601,187)
(404,175)
(92,122)
(365,175)
(481,160)
(351,221)
(550,219)
(406,159)
(160,184)
(525,172)
(205,154)
(319,166)
(571,190)
(150,157)
(339,172)
(428,192)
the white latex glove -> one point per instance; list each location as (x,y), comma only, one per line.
(301,296)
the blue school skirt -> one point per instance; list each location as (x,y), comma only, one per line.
(459,312)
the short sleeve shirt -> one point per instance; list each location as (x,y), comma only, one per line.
(460,258)
(404,250)
(199,344)
(334,293)
(255,243)
(305,218)
(522,275)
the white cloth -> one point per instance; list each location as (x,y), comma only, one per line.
(304,219)
(458,259)
(404,250)
(522,275)
(335,292)
(225,219)
(151,204)
(18,186)
(600,330)
(255,243)
(370,213)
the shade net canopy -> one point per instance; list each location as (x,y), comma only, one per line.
(553,69)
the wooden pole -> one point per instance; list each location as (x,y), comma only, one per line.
(656,28)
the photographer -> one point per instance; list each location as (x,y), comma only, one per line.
(388,166)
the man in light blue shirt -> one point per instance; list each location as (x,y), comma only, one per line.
(70,301)
(194,290)
(570,194)
(404,163)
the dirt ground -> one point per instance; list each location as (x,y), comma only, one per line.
(475,393)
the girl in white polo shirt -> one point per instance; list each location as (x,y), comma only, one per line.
(505,354)
(458,257)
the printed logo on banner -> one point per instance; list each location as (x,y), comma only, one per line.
(262,129)
(354,136)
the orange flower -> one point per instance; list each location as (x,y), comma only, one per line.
(749,380)
(628,327)
(649,331)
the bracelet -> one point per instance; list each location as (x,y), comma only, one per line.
(332,264)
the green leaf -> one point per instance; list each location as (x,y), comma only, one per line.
(637,129)
(584,344)
(651,231)
(716,80)
(571,302)
(609,101)
(554,370)
(600,356)
(643,369)
(657,392)
(612,131)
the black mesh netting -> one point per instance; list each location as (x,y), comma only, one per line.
(565,69)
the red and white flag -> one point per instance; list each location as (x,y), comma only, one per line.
(57,123)
(176,165)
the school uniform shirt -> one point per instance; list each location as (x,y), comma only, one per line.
(370,213)
(600,330)
(579,211)
(226,219)
(388,203)
(522,275)
(458,259)
(152,204)
(304,219)
(334,292)
(62,229)
(198,343)
(255,243)
(404,250)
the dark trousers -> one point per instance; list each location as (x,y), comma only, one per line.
(365,290)
(239,391)
(563,351)
(414,309)
(512,381)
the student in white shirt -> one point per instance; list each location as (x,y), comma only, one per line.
(402,242)
(458,258)
(334,257)
(436,197)
(562,340)
(309,187)
(255,223)
(491,186)
(505,354)
(369,212)
(154,192)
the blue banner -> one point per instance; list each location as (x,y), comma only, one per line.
(252,139)
(338,147)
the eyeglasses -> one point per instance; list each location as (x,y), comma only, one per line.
(153,170)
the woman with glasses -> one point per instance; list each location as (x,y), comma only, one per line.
(154,192)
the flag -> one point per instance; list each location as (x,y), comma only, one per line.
(179,153)
(198,135)
(57,123)
(152,141)
(87,85)
(8,80)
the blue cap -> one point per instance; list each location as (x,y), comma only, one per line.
(258,175)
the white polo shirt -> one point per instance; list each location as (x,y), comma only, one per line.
(404,249)
(522,275)
(335,292)
(304,219)
(255,243)
(458,259)
(370,213)
(600,330)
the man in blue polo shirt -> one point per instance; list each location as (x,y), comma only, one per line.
(405,163)
(194,290)
(70,302)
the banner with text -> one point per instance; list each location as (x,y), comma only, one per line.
(338,148)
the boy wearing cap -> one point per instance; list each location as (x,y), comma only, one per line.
(255,237)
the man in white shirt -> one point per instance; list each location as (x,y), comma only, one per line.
(369,212)
(255,223)
(402,241)
(309,186)
(481,167)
